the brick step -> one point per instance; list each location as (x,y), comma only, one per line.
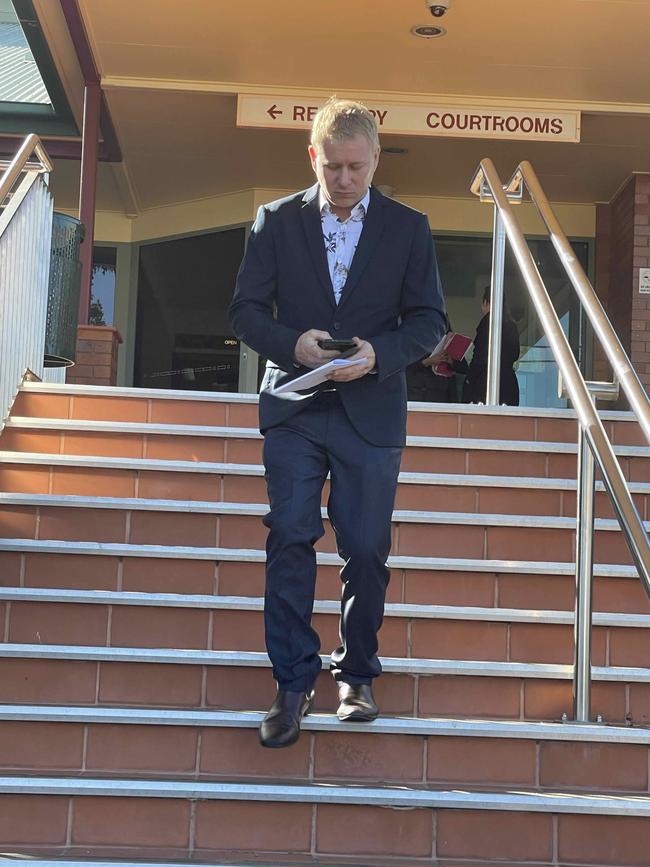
(231,572)
(209,745)
(119,619)
(122,817)
(163,406)
(166,406)
(79,475)
(546,459)
(237,680)
(183,523)
(266,860)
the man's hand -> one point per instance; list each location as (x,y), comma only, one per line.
(356,371)
(309,353)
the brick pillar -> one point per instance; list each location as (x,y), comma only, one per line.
(96,361)
(641,259)
(622,236)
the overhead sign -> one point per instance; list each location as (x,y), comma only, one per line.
(420,118)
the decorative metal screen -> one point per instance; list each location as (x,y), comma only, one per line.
(63,292)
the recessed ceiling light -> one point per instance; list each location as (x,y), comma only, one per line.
(428,31)
(394,150)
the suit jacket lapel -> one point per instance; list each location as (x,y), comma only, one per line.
(311,221)
(373,226)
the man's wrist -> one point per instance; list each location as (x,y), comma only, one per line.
(294,356)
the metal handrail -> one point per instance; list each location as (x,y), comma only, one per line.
(594,443)
(24,266)
(31,145)
(608,338)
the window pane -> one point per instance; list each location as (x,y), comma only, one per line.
(102,287)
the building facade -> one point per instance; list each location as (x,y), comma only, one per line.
(204,113)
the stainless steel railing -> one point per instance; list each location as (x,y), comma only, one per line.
(25,241)
(593,443)
(21,162)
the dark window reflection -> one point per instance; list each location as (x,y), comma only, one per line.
(183,339)
(102,287)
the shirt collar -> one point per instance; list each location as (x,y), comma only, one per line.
(359,211)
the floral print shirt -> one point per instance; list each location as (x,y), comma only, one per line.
(341,238)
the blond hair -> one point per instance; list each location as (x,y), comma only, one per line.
(340,119)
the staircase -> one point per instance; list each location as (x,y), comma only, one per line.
(133,674)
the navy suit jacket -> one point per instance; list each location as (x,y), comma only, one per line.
(392,298)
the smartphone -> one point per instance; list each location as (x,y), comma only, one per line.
(337,345)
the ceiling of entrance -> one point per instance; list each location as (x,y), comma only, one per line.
(171,71)
(595,50)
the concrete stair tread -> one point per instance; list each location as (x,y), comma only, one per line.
(18,422)
(322,606)
(402,796)
(250,555)
(281,861)
(417,516)
(418,793)
(168,429)
(78,390)
(11,456)
(241,397)
(152,464)
(262,861)
(328,722)
(257,659)
(229,521)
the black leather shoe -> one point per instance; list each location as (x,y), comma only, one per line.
(357,703)
(281,726)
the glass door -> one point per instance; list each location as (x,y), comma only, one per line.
(465,264)
(183,338)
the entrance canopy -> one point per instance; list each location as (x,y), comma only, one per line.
(172,73)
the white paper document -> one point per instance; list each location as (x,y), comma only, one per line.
(316,376)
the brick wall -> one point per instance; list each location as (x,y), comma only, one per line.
(96,360)
(641,259)
(622,236)
(619,300)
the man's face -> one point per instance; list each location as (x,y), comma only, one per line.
(344,169)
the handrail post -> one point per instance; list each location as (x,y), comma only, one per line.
(584,580)
(492,396)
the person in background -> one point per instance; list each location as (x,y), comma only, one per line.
(475,385)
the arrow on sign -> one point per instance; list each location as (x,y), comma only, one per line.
(274,111)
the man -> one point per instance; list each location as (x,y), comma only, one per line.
(337,261)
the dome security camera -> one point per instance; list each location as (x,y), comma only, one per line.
(438,8)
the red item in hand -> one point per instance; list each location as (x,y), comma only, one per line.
(456,346)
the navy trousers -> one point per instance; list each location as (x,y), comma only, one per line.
(297,457)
